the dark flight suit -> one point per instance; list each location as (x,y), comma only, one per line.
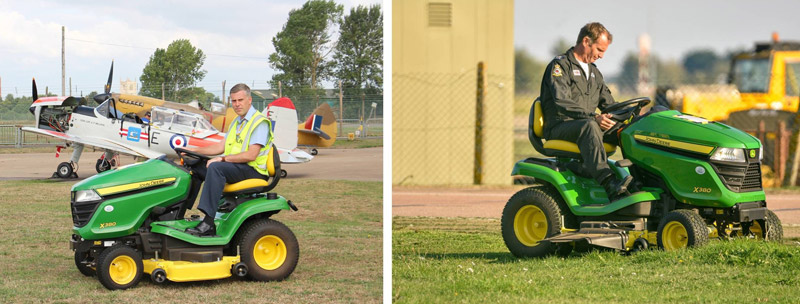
(568,105)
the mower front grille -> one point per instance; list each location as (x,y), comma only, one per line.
(739,178)
(82,212)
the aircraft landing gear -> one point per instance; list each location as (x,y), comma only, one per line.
(314,152)
(103,165)
(283,173)
(66,170)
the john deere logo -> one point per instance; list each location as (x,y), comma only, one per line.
(752,153)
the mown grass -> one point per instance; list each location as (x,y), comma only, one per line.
(458,260)
(338,227)
(343,143)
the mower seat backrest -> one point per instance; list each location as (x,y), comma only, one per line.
(555,147)
(259,185)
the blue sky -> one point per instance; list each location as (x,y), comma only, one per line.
(234,35)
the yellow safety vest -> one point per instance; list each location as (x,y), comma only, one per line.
(236,142)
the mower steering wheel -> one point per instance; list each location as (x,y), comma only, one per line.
(197,156)
(620,112)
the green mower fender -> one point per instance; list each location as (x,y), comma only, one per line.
(582,195)
(227,224)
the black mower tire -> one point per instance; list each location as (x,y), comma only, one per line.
(80,256)
(682,224)
(263,265)
(525,244)
(122,260)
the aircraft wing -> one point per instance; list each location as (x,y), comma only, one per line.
(317,132)
(98,143)
(295,156)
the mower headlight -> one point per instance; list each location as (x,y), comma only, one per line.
(86,196)
(729,155)
(760,153)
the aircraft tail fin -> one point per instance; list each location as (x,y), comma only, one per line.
(35,90)
(319,129)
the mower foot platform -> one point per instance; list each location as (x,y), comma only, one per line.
(612,235)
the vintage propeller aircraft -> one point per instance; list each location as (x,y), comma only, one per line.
(116,126)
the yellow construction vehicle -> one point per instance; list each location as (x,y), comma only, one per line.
(764,82)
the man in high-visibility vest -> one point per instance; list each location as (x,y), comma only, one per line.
(245,152)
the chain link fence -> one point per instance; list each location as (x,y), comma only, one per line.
(436,134)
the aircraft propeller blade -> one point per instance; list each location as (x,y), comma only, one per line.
(100,98)
(35,91)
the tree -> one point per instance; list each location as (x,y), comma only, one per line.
(561,46)
(359,51)
(528,72)
(302,46)
(703,66)
(178,67)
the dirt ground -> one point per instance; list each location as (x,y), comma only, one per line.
(476,202)
(333,164)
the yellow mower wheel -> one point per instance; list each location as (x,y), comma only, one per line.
(681,229)
(530,216)
(269,249)
(119,267)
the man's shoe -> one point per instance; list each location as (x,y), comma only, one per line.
(615,187)
(203,229)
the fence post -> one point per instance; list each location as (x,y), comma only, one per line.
(477,178)
(18,139)
(781,151)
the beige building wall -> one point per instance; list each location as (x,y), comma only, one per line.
(436,48)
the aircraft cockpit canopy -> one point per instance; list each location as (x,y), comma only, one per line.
(180,121)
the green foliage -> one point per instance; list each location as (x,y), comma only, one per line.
(704,66)
(178,67)
(196,93)
(528,72)
(359,52)
(561,46)
(302,47)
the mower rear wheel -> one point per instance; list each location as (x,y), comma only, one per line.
(119,267)
(269,249)
(531,215)
(80,257)
(681,229)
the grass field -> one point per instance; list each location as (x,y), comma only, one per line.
(338,227)
(460,260)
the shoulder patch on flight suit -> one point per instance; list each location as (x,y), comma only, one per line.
(557,70)
(559,57)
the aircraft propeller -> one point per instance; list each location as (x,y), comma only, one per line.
(100,98)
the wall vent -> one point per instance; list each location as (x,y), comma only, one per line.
(440,14)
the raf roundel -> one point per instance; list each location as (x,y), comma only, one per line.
(177,141)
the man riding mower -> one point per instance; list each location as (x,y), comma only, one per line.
(130,221)
(693,179)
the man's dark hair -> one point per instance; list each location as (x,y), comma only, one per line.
(240,87)
(593,30)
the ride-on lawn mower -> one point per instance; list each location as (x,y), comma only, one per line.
(693,179)
(130,222)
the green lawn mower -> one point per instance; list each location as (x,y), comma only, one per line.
(693,179)
(130,221)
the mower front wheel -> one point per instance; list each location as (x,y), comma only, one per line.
(530,216)
(269,249)
(769,229)
(681,229)
(119,267)
(81,257)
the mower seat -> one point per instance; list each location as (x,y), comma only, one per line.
(553,148)
(258,185)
